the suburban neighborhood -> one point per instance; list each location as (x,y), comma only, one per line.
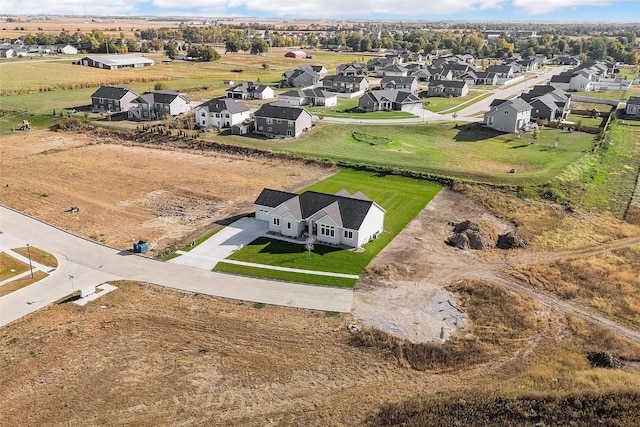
(310,214)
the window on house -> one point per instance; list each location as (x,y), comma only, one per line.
(289,132)
(278,121)
(276,221)
(348,234)
(506,112)
(101,101)
(217,115)
(269,121)
(291,123)
(226,115)
(270,129)
(203,114)
(289,225)
(260,128)
(327,230)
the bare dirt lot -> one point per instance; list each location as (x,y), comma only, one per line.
(128,193)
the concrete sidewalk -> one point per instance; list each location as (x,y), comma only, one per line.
(292,270)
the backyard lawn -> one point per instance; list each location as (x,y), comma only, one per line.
(402,198)
(345,108)
(467,151)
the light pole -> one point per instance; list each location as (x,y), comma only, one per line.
(71,279)
(30,265)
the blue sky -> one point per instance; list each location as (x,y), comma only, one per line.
(503,10)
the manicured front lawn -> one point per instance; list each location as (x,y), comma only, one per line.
(345,109)
(402,198)
(265,273)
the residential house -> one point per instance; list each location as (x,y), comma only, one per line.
(115,61)
(277,120)
(311,97)
(340,219)
(7,52)
(113,99)
(392,71)
(548,102)
(352,69)
(480,78)
(376,63)
(567,60)
(159,104)
(345,83)
(633,107)
(303,76)
(389,100)
(502,71)
(66,49)
(448,88)
(456,70)
(250,90)
(508,115)
(409,83)
(221,113)
(575,81)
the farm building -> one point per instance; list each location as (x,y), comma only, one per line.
(336,219)
(297,54)
(115,62)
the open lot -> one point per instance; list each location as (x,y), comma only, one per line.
(127,193)
(446,149)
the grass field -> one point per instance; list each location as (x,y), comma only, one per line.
(265,273)
(13,120)
(38,255)
(10,266)
(607,180)
(439,104)
(344,109)
(468,151)
(402,198)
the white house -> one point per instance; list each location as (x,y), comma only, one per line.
(508,115)
(221,113)
(335,219)
(159,104)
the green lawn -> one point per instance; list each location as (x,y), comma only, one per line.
(13,120)
(606,181)
(265,273)
(402,198)
(345,107)
(587,120)
(439,104)
(468,152)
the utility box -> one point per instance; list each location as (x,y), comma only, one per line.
(140,247)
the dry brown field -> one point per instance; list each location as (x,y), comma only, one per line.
(56,24)
(128,193)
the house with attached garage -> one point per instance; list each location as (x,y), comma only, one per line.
(340,219)
(548,102)
(409,83)
(250,90)
(392,71)
(352,69)
(312,97)
(221,113)
(633,107)
(508,115)
(158,105)
(448,88)
(345,84)
(113,99)
(389,100)
(278,120)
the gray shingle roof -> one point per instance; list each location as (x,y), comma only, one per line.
(634,100)
(111,92)
(279,111)
(217,105)
(273,198)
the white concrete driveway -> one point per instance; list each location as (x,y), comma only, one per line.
(82,263)
(222,244)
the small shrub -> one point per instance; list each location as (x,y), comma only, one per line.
(370,139)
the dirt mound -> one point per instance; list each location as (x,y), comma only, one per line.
(511,240)
(471,235)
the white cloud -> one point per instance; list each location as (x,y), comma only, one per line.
(539,7)
(420,9)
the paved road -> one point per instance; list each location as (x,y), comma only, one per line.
(89,263)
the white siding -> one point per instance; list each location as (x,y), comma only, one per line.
(329,228)
(262,212)
(373,224)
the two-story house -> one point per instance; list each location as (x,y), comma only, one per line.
(221,113)
(278,120)
(159,104)
(508,115)
(345,83)
(113,99)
